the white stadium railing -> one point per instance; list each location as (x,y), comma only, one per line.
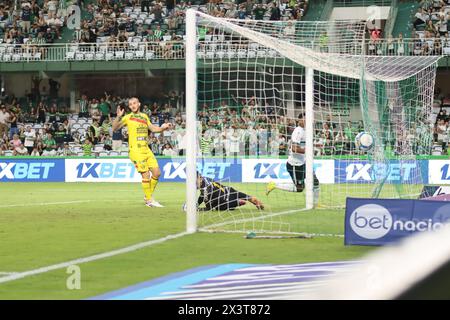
(175,50)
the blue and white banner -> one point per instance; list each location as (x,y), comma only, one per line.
(439,172)
(172,170)
(383,221)
(32,170)
(265,170)
(397,172)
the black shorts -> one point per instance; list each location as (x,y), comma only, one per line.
(231,201)
(298,174)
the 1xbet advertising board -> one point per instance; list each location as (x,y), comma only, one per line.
(265,170)
(439,172)
(32,170)
(172,170)
(393,172)
(384,221)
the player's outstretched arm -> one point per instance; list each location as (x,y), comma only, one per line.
(156,129)
(116,124)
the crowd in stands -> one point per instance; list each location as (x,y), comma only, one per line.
(33,21)
(153,21)
(441,130)
(47,128)
(431,28)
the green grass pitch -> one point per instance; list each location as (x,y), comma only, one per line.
(42,224)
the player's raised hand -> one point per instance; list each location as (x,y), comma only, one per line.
(120,111)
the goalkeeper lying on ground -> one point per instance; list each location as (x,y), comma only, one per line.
(219,197)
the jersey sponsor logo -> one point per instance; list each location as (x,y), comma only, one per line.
(30,170)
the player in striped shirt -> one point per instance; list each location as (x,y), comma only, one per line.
(216,196)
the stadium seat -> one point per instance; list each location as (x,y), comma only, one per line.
(149,55)
(261,53)
(70,55)
(89,56)
(272,53)
(109,56)
(17,57)
(129,55)
(124,153)
(243,53)
(140,54)
(8,153)
(100,56)
(220,54)
(231,54)
(76,126)
(119,55)
(103,154)
(253,46)
(113,153)
(167,38)
(210,54)
(79,56)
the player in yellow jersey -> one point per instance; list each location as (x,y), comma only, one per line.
(145,162)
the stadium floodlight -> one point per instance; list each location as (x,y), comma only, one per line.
(269,72)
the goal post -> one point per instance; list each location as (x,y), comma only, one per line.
(246,83)
(191,121)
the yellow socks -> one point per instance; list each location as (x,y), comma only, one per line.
(147,189)
(152,186)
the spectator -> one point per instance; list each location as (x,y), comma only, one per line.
(421,18)
(26,17)
(36,152)
(275,13)
(20,151)
(259,12)
(4,120)
(15,142)
(54,88)
(49,146)
(87,147)
(145,6)
(117,139)
(168,151)
(30,138)
(13,129)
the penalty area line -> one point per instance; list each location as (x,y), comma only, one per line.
(21,275)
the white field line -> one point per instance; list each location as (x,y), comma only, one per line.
(21,275)
(59,203)
(6,273)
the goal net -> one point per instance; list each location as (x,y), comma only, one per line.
(247,84)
